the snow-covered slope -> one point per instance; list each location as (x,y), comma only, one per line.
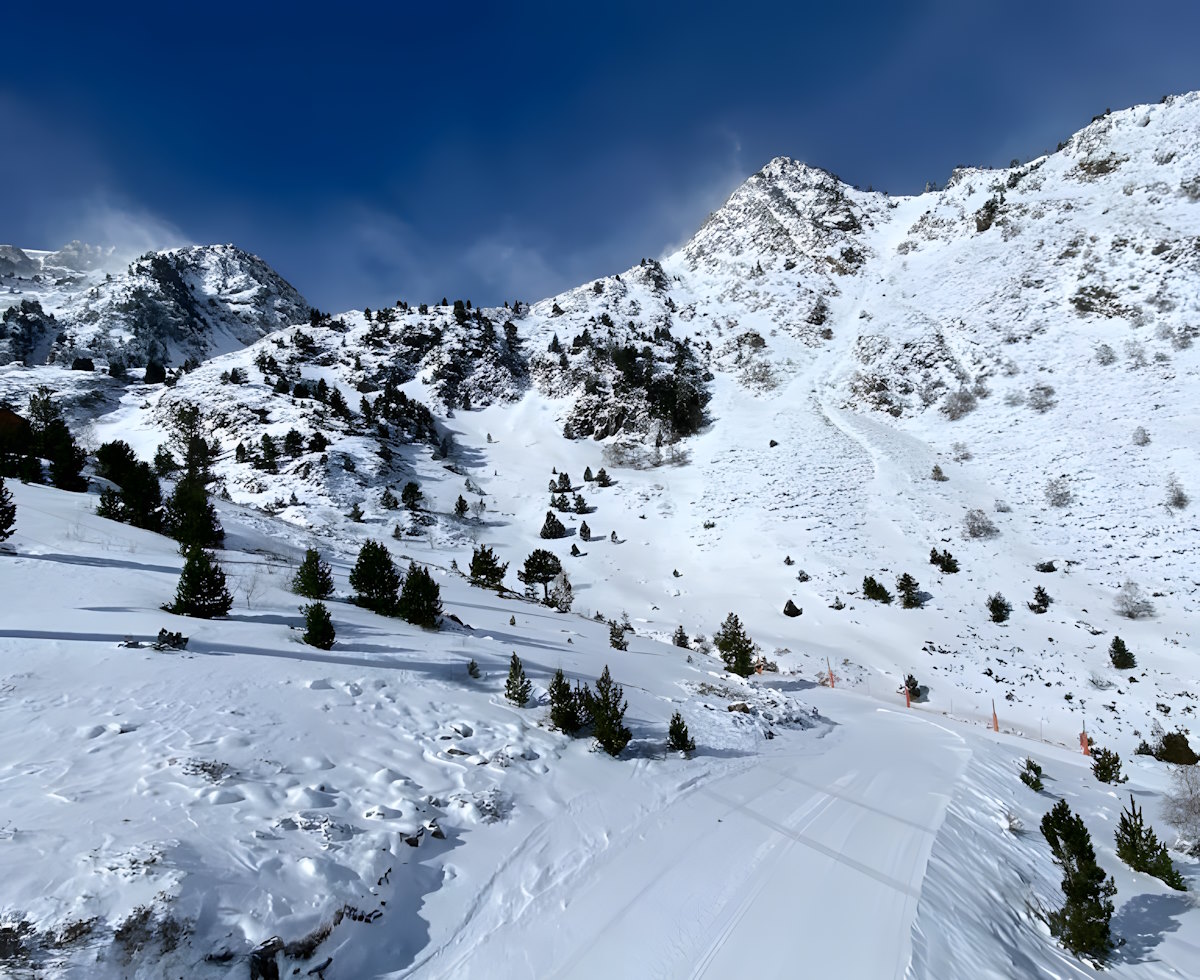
(771,401)
(173,306)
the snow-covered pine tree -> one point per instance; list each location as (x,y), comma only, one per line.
(1120,655)
(909,589)
(314,577)
(565,714)
(201,590)
(518,687)
(680,638)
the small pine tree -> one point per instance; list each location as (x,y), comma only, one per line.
(616,636)
(565,713)
(561,594)
(318,626)
(191,518)
(909,589)
(1139,847)
(608,706)
(356,513)
(388,500)
(1082,924)
(680,638)
(411,495)
(553,527)
(473,670)
(735,646)
(587,475)
(937,474)
(999,608)
(460,507)
(1031,775)
(913,687)
(201,590)
(585,532)
(602,478)
(314,577)
(420,601)
(486,570)
(375,579)
(678,739)
(1120,655)
(1041,600)
(8,513)
(873,590)
(1106,766)
(579,504)
(517,688)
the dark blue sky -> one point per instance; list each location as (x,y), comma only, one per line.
(506,151)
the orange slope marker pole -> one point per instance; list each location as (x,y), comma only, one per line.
(830,671)
(907,697)
(995,720)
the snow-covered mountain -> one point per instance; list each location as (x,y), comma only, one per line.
(823,384)
(184,304)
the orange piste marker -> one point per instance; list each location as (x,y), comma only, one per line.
(995,720)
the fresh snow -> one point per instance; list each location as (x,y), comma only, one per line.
(252,786)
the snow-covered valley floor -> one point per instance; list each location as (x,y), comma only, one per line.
(252,786)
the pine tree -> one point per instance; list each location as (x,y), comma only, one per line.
(541,567)
(999,608)
(1031,775)
(375,579)
(587,475)
(201,590)
(602,478)
(486,570)
(909,590)
(678,739)
(616,636)
(460,507)
(735,646)
(585,532)
(517,688)
(608,714)
(680,638)
(420,600)
(1106,766)
(1138,846)
(876,592)
(580,505)
(411,495)
(1041,600)
(565,707)
(1121,658)
(553,527)
(388,500)
(191,518)
(473,669)
(1082,924)
(314,577)
(318,626)
(8,512)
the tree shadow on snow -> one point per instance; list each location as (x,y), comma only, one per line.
(105,563)
(1144,921)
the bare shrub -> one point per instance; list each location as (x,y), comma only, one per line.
(1136,354)
(1141,437)
(937,474)
(959,403)
(960,452)
(1002,507)
(1014,399)
(1177,498)
(976,524)
(1131,602)
(1041,398)
(1181,805)
(1058,492)
(1105,355)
